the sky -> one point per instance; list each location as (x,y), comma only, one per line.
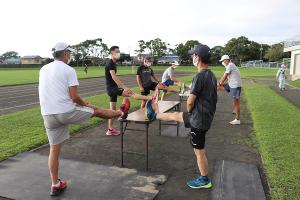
(32,27)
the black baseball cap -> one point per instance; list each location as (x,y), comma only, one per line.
(201,50)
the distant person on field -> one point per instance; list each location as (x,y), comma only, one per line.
(61,105)
(233,87)
(280,77)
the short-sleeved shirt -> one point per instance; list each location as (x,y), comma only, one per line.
(280,73)
(234,78)
(145,74)
(55,79)
(204,87)
(168,73)
(110,83)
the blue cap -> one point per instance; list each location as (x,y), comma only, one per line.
(201,50)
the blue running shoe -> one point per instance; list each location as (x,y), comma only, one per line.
(150,112)
(200,182)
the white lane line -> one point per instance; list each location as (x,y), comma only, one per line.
(13,107)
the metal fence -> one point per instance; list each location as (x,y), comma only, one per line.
(261,64)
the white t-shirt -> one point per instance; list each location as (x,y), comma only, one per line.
(54,82)
(168,73)
(234,77)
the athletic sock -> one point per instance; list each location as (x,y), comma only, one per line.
(56,185)
(205,178)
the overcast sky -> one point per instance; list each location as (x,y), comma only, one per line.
(32,27)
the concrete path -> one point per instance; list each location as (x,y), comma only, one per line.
(168,155)
(26,177)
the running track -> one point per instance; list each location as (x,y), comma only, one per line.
(22,97)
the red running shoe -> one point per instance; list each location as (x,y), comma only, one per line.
(58,190)
(125,108)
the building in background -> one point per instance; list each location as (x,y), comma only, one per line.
(168,59)
(32,60)
(293,45)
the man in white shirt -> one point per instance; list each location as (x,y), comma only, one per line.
(169,79)
(234,86)
(61,105)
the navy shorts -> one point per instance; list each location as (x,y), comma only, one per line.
(235,93)
(167,83)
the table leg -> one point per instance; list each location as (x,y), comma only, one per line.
(147,132)
(122,133)
(159,127)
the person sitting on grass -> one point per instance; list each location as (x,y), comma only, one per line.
(115,87)
(169,79)
(201,107)
(61,105)
(147,80)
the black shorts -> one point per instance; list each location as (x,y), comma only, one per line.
(113,93)
(147,89)
(197,138)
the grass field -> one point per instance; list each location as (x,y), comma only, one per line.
(24,130)
(277,125)
(30,75)
(295,83)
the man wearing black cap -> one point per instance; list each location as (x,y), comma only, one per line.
(201,107)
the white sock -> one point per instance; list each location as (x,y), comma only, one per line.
(57,184)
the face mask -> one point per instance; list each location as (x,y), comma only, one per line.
(118,55)
(195,61)
(223,64)
(68,62)
(148,64)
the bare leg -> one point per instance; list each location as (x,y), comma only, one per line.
(143,104)
(106,113)
(201,161)
(135,96)
(175,116)
(163,96)
(110,121)
(53,162)
(237,108)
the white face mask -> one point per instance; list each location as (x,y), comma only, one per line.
(69,60)
(195,61)
(118,56)
(148,64)
(223,64)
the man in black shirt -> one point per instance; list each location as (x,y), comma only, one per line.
(115,87)
(147,80)
(201,107)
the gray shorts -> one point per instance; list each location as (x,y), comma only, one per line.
(57,125)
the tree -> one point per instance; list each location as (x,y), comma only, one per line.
(142,47)
(93,48)
(242,49)
(216,54)
(8,55)
(275,52)
(182,50)
(158,48)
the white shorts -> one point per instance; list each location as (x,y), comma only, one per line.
(57,125)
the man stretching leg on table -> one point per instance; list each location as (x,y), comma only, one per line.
(201,107)
(61,105)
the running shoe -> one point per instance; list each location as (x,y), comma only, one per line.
(200,182)
(150,112)
(112,132)
(235,122)
(56,190)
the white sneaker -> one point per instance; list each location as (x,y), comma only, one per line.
(235,122)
